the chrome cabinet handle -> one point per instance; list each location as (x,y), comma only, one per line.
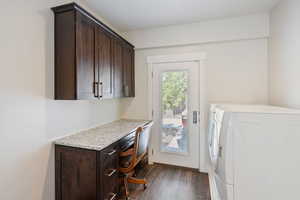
(96,89)
(101,90)
(112,152)
(113,171)
(113,196)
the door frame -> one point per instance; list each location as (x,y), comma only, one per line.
(198,57)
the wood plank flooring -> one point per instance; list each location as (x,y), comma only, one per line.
(171,183)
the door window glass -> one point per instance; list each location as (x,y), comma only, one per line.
(174,111)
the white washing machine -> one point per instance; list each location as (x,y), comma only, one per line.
(254,152)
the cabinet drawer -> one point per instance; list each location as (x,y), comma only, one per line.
(109,153)
(110,185)
(127,141)
(109,172)
(110,168)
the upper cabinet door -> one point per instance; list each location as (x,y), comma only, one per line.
(117,68)
(65,70)
(128,71)
(85,57)
(103,63)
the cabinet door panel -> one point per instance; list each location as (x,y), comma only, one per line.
(128,74)
(84,56)
(117,69)
(64,56)
(75,174)
(103,62)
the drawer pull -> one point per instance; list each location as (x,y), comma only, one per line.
(113,171)
(113,196)
(112,152)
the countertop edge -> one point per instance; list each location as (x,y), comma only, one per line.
(59,141)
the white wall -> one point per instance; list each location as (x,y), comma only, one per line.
(29,117)
(221,30)
(284,54)
(237,72)
(236,65)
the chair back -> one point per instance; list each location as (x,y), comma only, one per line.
(141,144)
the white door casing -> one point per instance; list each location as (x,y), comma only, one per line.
(198,58)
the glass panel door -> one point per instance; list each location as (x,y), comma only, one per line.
(175,133)
(174,111)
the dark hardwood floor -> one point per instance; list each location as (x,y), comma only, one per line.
(171,183)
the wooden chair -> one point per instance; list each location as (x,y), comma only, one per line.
(131,157)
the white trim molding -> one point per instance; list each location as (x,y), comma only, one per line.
(186,57)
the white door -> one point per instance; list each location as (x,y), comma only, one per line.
(175,138)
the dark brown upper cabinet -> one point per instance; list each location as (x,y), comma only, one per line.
(128,71)
(117,69)
(103,61)
(85,64)
(123,69)
(91,60)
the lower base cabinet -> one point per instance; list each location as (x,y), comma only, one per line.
(82,174)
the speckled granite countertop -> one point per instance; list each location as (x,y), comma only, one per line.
(102,136)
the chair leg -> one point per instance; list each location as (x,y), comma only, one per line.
(138,181)
(126,187)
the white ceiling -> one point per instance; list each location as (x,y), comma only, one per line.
(138,14)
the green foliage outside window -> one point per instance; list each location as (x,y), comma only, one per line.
(174,90)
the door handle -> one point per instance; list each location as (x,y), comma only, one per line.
(220,151)
(195,117)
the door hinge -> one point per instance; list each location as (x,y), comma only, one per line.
(152,152)
(152,74)
(152,113)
